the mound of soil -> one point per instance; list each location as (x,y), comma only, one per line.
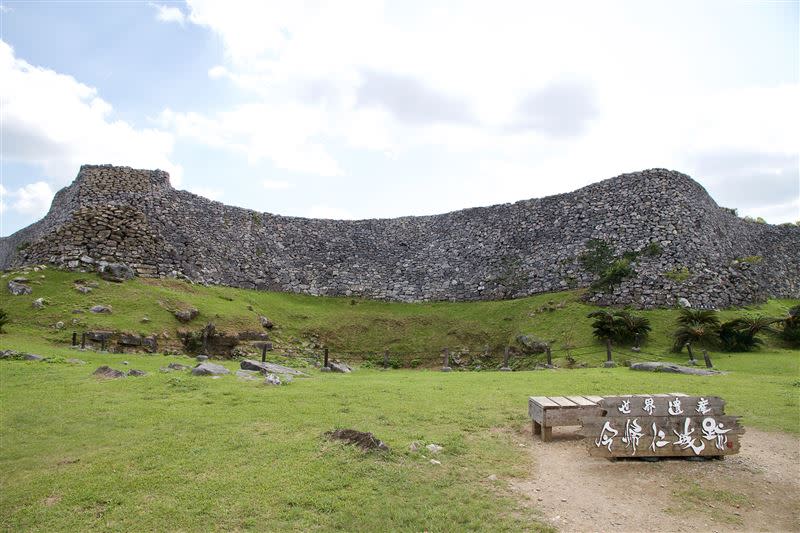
(365,441)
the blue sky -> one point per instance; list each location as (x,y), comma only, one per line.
(381,109)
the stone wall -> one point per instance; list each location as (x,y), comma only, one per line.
(119,214)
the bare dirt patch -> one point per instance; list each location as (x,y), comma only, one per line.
(756,490)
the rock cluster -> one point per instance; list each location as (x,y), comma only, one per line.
(134,217)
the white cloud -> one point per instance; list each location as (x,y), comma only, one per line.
(53,121)
(324,211)
(169,13)
(217,72)
(276,185)
(32,199)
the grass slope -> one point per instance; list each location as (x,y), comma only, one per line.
(350,328)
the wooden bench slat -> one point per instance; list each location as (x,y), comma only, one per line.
(544,401)
(563,402)
(594,399)
(580,400)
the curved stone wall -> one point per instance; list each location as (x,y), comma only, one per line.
(510,250)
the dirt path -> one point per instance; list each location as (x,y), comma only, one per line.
(756,490)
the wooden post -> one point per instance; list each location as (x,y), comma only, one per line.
(264,353)
(385,359)
(325,367)
(83,341)
(102,343)
(505,367)
(692,360)
(74,338)
(446,364)
(609,362)
(549,356)
(707,359)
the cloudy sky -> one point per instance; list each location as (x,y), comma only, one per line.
(378,109)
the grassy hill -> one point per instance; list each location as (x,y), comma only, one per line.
(353,329)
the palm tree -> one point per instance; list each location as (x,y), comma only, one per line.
(740,334)
(791,327)
(696,326)
(619,326)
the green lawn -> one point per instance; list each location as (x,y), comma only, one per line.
(176,452)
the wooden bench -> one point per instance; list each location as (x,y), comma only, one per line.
(549,411)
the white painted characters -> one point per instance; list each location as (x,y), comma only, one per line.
(702,406)
(649,406)
(625,408)
(686,441)
(658,438)
(713,431)
(675,407)
(633,432)
(606,437)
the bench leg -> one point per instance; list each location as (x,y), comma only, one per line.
(547,433)
(537,428)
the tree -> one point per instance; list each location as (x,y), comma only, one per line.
(791,327)
(619,326)
(698,326)
(740,334)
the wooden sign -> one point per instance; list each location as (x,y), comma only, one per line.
(662,426)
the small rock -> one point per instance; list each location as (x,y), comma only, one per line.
(106,372)
(116,272)
(83,289)
(202,358)
(415,446)
(272,379)
(145,320)
(178,366)
(125,363)
(434,448)
(137,373)
(38,303)
(683,302)
(249,375)
(266,323)
(210,369)
(33,357)
(435,462)
(101,309)
(59,325)
(76,361)
(17,288)
(186,315)
(492,477)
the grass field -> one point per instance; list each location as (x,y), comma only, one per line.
(170,451)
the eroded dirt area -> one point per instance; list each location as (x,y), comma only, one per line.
(756,490)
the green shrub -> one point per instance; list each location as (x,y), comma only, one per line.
(696,326)
(653,249)
(790,331)
(599,259)
(678,274)
(619,326)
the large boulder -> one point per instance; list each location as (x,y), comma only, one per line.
(210,369)
(656,366)
(18,288)
(531,345)
(186,315)
(339,367)
(106,372)
(116,272)
(269,368)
